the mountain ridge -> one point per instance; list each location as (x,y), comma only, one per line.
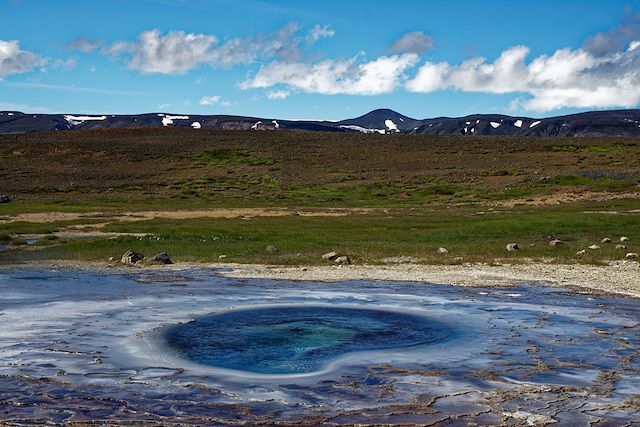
(380,121)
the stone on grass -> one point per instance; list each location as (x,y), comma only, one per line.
(513,247)
(594,247)
(160,259)
(131,257)
(222,257)
(111,259)
(443,251)
(556,242)
(631,255)
(343,260)
(624,238)
(329,256)
(581,252)
(621,247)
(273,250)
(5,199)
(606,240)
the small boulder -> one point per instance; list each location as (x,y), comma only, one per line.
(273,250)
(581,252)
(594,247)
(160,259)
(624,238)
(343,260)
(222,257)
(329,256)
(621,247)
(111,259)
(443,251)
(606,240)
(5,199)
(556,242)
(511,247)
(631,255)
(131,257)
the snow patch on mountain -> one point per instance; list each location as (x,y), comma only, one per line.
(536,123)
(196,125)
(518,123)
(77,120)
(391,125)
(363,130)
(495,125)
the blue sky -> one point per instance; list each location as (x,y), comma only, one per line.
(320,59)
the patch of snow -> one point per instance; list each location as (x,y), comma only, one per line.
(9,114)
(255,125)
(518,123)
(168,120)
(401,119)
(275,123)
(196,125)
(536,123)
(564,124)
(472,130)
(363,130)
(495,125)
(391,126)
(467,123)
(477,121)
(465,129)
(76,120)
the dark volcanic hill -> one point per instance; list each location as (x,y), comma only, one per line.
(384,121)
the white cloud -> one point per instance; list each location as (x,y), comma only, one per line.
(178,52)
(14,60)
(163,106)
(210,100)
(214,100)
(64,64)
(331,77)
(414,42)
(568,78)
(278,94)
(319,32)
(83,44)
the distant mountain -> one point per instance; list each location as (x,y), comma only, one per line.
(382,121)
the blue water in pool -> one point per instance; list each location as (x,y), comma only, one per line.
(296,339)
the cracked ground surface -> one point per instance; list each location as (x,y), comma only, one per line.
(81,348)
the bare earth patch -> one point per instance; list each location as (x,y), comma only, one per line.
(567,197)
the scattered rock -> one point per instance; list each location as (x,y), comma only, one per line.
(160,259)
(273,250)
(5,199)
(631,255)
(222,257)
(329,256)
(111,259)
(343,260)
(594,247)
(443,251)
(581,252)
(606,240)
(131,257)
(621,247)
(624,238)
(513,247)
(556,242)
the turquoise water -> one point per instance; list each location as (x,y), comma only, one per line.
(297,339)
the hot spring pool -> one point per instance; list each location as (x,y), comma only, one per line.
(296,339)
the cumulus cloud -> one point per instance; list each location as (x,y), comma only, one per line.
(178,52)
(414,42)
(320,32)
(83,44)
(330,77)
(64,64)
(14,60)
(278,94)
(567,78)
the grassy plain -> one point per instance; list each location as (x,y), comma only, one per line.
(469,195)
